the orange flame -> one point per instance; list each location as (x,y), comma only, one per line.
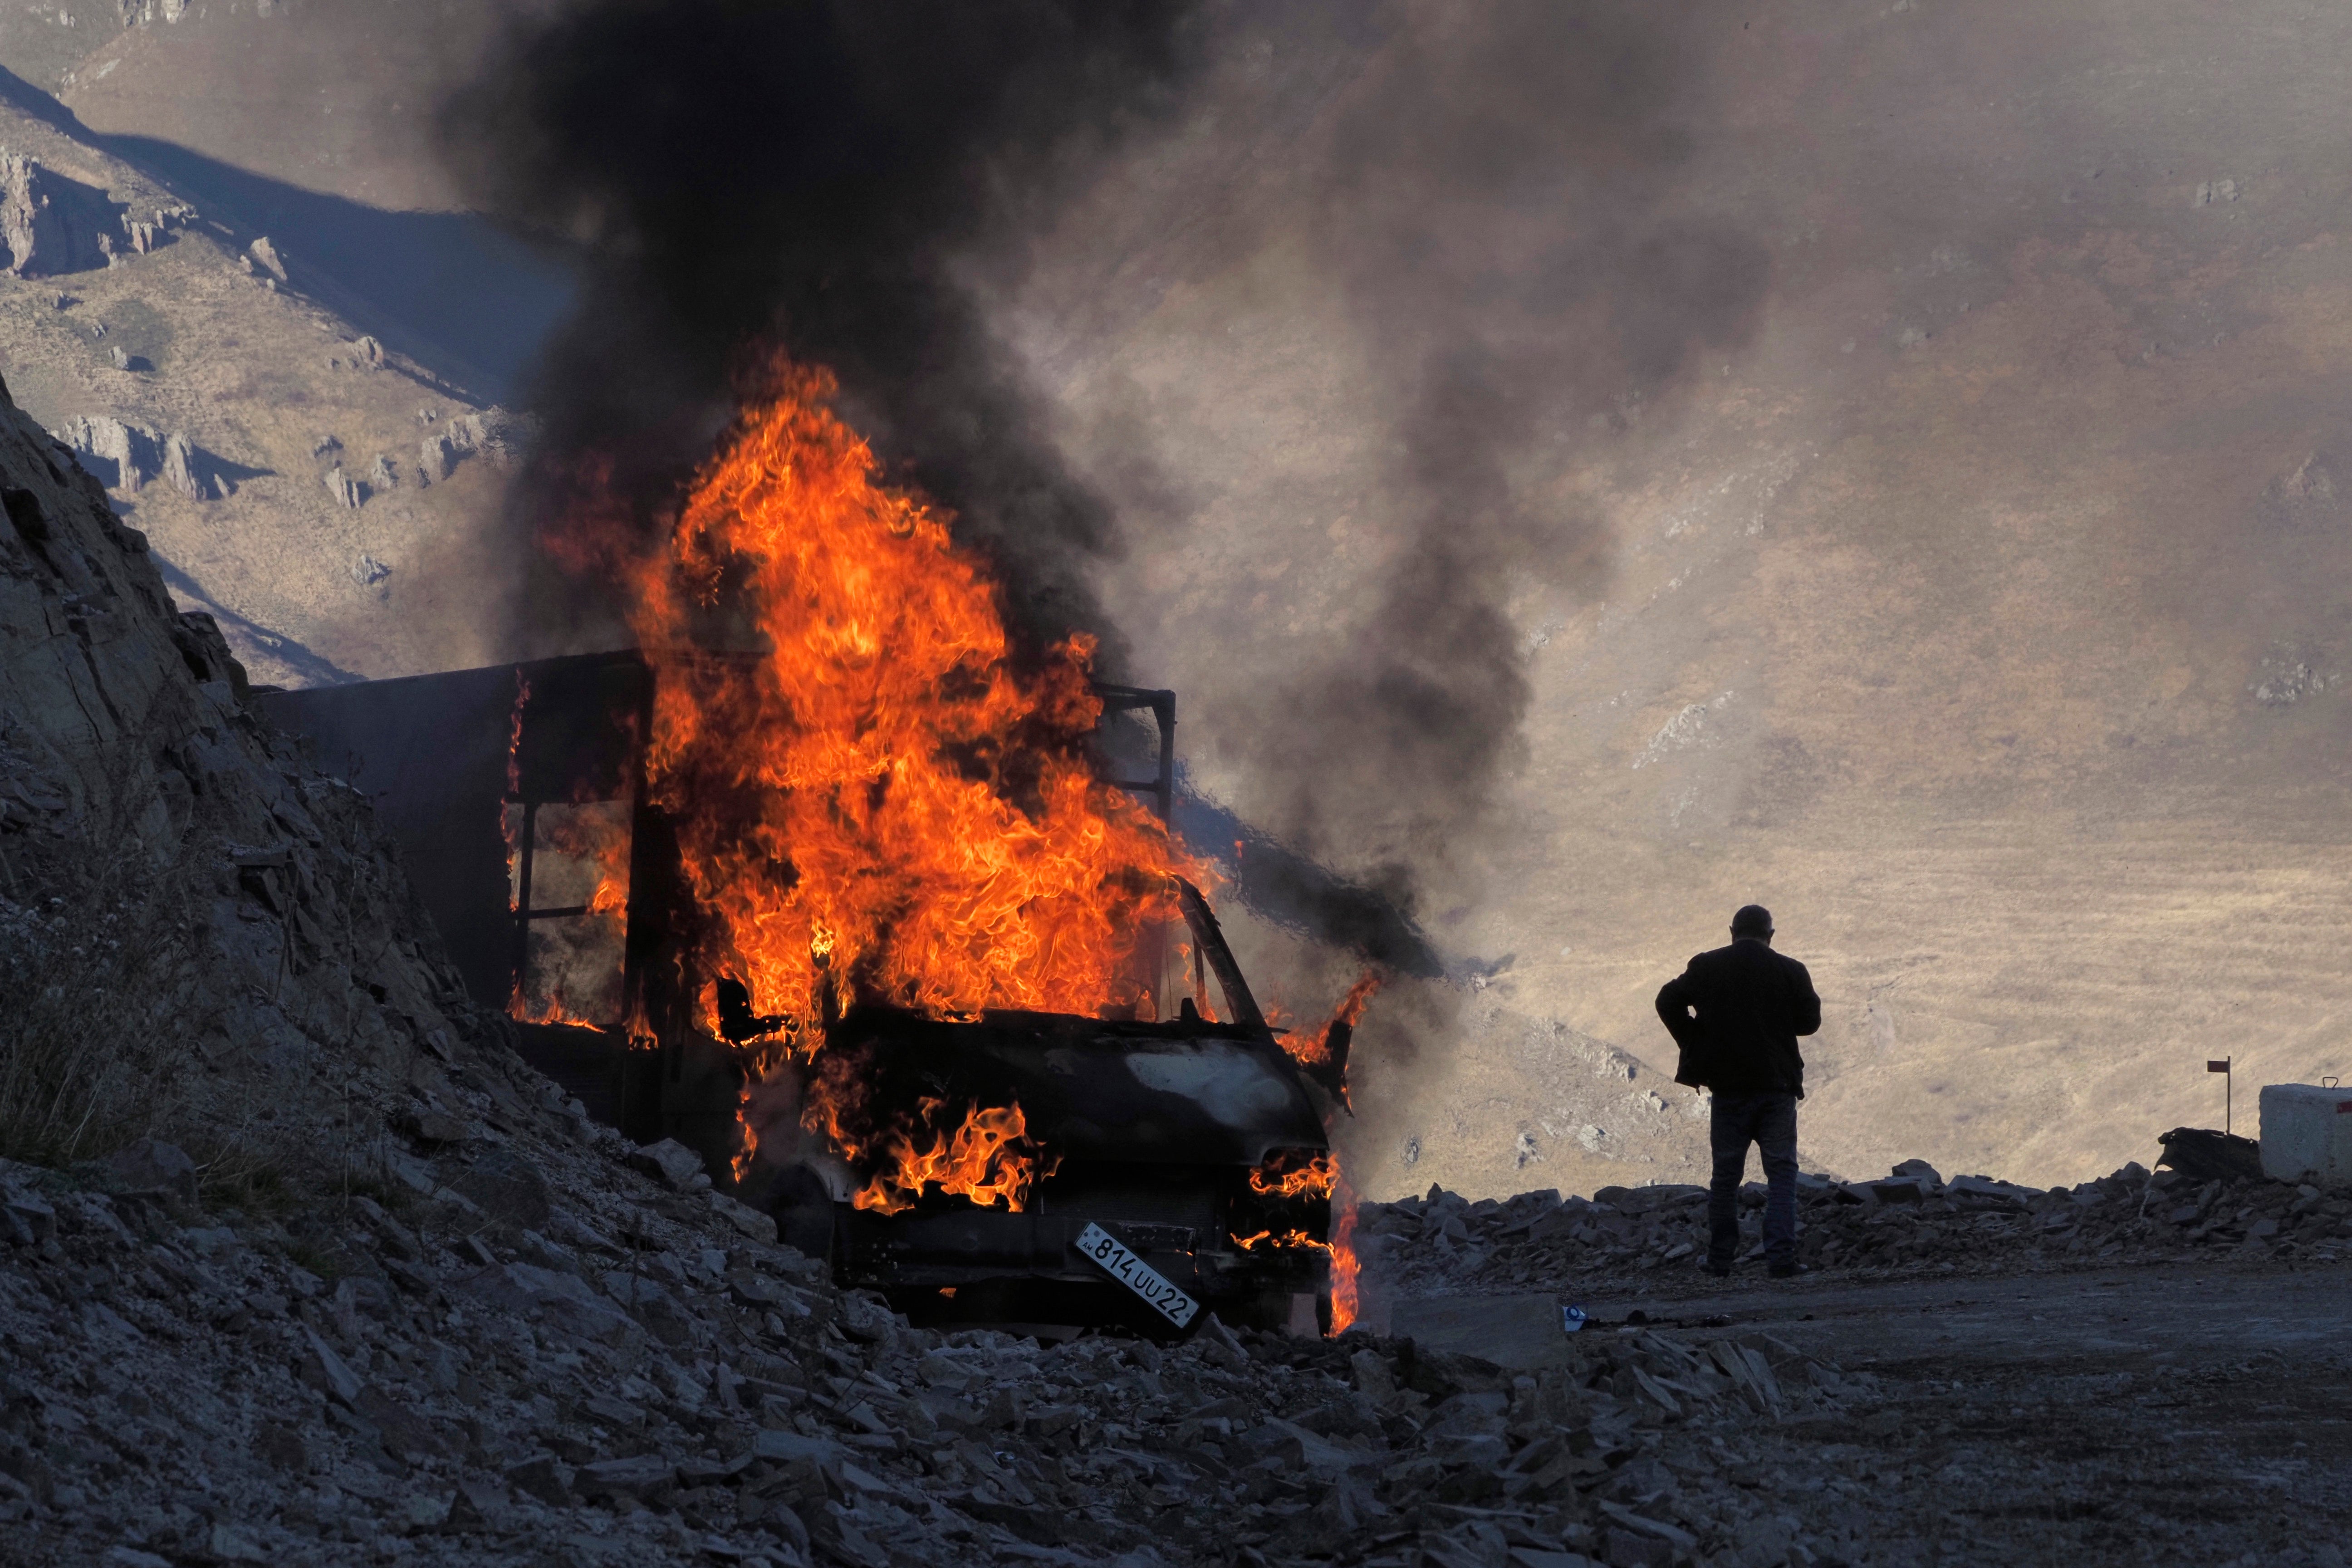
(1287,1238)
(1345,1267)
(596,837)
(747,1143)
(507,821)
(1321,1175)
(551,1011)
(983,1161)
(878,799)
(988,1159)
(1316,1052)
(599,838)
(564,833)
(640,1030)
(1310,1180)
(880,783)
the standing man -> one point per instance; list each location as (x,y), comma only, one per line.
(1737,1012)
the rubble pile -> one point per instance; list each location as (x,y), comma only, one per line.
(1910,1221)
(510,1339)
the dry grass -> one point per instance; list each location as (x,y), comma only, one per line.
(117,979)
(90,1056)
(98,1053)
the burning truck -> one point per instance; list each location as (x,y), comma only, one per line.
(880,915)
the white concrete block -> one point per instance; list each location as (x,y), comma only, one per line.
(2307,1134)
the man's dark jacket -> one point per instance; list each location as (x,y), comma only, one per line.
(1751,1005)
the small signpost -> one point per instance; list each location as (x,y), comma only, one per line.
(2229,1087)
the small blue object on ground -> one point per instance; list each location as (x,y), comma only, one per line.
(1571,1319)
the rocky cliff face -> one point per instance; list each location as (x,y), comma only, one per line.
(205,928)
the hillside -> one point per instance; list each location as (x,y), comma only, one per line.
(332,97)
(141,316)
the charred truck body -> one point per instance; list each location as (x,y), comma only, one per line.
(517,795)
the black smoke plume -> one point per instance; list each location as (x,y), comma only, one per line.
(811,174)
(1488,205)
(1497,208)
(1489,189)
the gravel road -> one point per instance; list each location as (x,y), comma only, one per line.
(2189,1412)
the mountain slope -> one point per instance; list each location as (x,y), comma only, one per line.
(167,318)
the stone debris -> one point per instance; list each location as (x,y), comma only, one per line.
(673,1163)
(1910,1221)
(346,489)
(413,1376)
(28,227)
(493,433)
(367,571)
(2286,681)
(265,255)
(150,1166)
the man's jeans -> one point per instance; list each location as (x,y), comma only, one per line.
(1768,1121)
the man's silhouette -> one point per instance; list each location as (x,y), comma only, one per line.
(1737,1012)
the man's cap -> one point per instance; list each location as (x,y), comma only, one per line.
(1753,920)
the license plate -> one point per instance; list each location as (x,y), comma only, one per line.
(1102,1248)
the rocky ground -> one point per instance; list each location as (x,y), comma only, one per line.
(515,1338)
(1911,1223)
(2149,1367)
(508,1342)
